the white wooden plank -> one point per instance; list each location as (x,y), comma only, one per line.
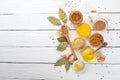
(49,55)
(36,72)
(39,21)
(47,38)
(51,6)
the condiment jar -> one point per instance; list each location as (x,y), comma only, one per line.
(98,23)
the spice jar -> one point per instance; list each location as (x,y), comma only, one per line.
(98,23)
(78,66)
(89,55)
(76,17)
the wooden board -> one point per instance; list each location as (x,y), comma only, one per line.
(49,72)
(48,55)
(28,41)
(38,22)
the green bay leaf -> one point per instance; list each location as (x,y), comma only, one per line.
(63,15)
(67,65)
(62,46)
(60,62)
(62,39)
(54,20)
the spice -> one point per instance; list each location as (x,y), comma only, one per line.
(76,17)
(100,25)
(66,53)
(60,62)
(54,20)
(78,43)
(96,40)
(62,39)
(78,65)
(62,46)
(63,16)
(101,58)
(83,30)
(89,55)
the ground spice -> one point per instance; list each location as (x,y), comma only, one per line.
(96,40)
(83,30)
(99,25)
(76,17)
(78,43)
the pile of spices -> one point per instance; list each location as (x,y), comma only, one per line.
(89,55)
(76,17)
(83,30)
(96,40)
(78,66)
(101,58)
(78,43)
(100,25)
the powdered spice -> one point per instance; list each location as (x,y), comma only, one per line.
(99,25)
(76,17)
(96,40)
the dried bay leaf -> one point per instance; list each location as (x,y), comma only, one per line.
(63,15)
(62,46)
(67,65)
(62,39)
(60,62)
(54,20)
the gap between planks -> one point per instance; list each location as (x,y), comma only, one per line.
(57,13)
(46,46)
(47,29)
(54,63)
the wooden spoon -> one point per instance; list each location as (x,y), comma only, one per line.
(66,34)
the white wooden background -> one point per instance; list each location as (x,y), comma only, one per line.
(27,51)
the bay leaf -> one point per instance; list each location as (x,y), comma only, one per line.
(54,20)
(60,62)
(62,46)
(63,16)
(62,39)
(67,65)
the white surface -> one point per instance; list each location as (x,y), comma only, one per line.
(27,51)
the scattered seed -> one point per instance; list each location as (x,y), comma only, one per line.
(108,19)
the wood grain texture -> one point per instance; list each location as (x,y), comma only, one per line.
(38,22)
(49,72)
(28,41)
(47,38)
(48,55)
(51,6)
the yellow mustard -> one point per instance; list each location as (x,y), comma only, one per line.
(83,30)
(89,55)
(78,65)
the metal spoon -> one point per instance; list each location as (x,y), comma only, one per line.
(66,34)
(103,45)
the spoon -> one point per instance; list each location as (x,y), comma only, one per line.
(103,45)
(66,34)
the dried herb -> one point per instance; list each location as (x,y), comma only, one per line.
(61,62)
(54,20)
(63,15)
(67,65)
(62,46)
(62,39)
